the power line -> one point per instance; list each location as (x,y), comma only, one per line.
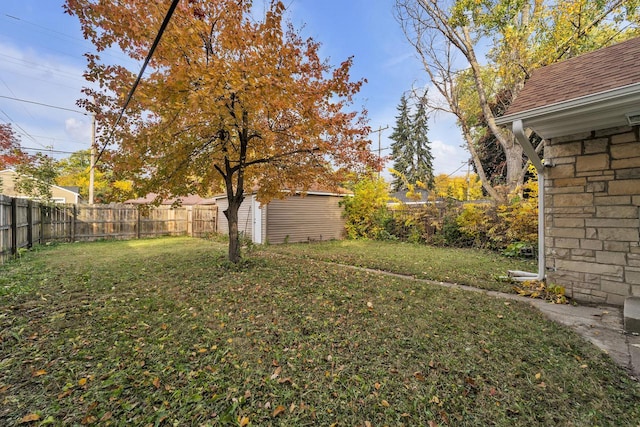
(13,93)
(173,6)
(40,26)
(24,132)
(60,35)
(45,105)
(466,162)
(66,141)
(24,62)
(35,138)
(49,82)
(51,150)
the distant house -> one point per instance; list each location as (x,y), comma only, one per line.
(313,216)
(588,111)
(400,198)
(59,194)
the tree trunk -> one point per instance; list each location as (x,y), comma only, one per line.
(479,168)
(512,150)
(234,237)
(514,166)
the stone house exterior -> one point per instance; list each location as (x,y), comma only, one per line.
(587,109)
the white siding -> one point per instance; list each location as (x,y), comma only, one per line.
(245,217)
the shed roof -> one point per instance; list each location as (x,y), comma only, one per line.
(588,92)
(314,190)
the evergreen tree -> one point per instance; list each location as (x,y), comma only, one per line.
(411,150)
(401,148)
(422,166)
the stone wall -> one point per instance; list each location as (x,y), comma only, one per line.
(592,214)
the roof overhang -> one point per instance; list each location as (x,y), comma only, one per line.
(593,112)
(295,193)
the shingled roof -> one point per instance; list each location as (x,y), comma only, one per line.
(593,91)
(605,69)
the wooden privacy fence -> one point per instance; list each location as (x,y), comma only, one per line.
(24,223)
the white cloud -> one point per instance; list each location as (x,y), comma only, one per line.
(79,130)
(448,158)
(37,86)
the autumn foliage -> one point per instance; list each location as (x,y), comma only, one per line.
(366,210)
(458,187)
(10,152)
(235,99)
(442,220)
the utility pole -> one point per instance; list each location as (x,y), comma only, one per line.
(379,130)
(92,162)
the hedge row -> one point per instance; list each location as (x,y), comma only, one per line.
(509,227)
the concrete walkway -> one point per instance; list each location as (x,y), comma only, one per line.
(600,325)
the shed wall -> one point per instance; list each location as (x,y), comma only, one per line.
(304,219)
(245,217)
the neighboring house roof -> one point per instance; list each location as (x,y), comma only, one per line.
(596,90)
(59,194)
(190,200)
(401,197)
(74,188)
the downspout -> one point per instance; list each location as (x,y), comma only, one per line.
(523,140)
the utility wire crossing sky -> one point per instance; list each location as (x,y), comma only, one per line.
(42,64)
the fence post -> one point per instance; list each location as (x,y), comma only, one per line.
(14,226)
(29,224)
(43,239)
(73,223)
(139,223)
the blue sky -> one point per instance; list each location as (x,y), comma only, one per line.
(41,60)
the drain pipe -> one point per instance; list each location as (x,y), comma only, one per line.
(523,140)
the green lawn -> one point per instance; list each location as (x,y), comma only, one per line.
(473,267)
(165,332)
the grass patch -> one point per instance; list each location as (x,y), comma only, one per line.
(166,332)
(473,267)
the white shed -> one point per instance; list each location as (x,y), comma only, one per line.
(314,216)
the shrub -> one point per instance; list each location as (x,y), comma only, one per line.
(474,222)
(366,211)
(510,227)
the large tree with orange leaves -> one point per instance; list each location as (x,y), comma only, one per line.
(235,98)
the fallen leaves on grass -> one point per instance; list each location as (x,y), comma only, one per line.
(276,373)
(264,338)
(540,290)
(29,418)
